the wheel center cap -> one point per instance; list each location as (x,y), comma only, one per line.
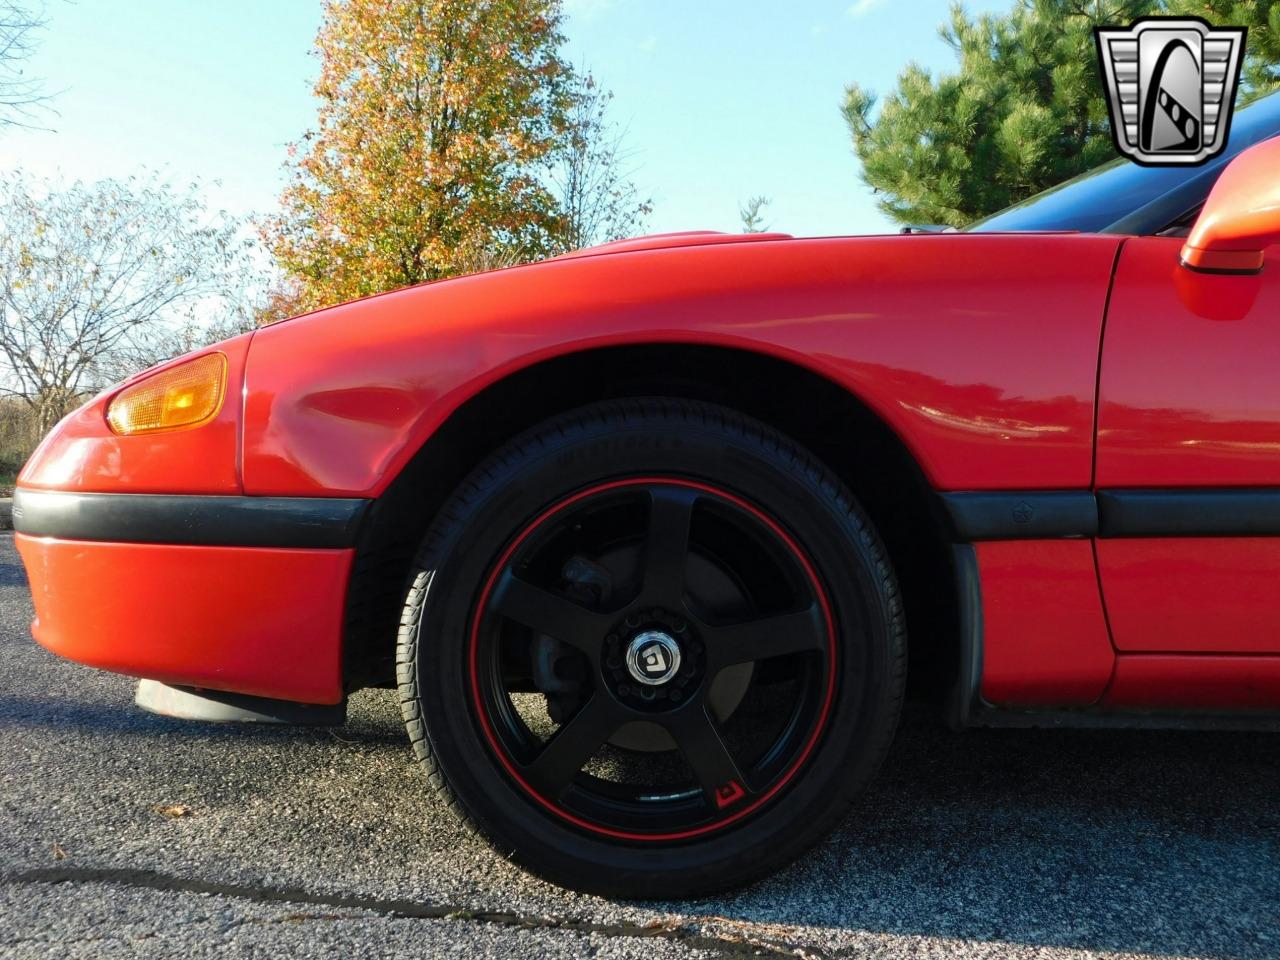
(653,658)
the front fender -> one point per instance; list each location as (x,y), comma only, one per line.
(979,351)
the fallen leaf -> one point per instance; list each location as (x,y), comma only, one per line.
(58,852)
(173,810)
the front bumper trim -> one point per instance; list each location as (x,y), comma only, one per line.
(227,521)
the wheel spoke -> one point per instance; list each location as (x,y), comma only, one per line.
(554,768)
(764,638)
(667,545)
(698,737)
(549,613)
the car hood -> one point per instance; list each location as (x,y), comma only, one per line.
(663,241)
(653,241)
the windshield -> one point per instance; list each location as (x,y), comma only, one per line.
(1123,197)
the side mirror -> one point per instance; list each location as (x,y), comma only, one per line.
(1241,218)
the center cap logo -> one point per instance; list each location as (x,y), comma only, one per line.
(653,658)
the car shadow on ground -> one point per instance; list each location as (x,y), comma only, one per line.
(119,719)
(1160,842)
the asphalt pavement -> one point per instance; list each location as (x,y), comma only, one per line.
(127,834)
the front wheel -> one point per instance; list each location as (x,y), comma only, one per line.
(651,649)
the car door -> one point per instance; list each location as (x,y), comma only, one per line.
(1187,468)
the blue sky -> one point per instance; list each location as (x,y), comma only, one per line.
(723,99)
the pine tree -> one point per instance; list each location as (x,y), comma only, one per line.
(1024,111)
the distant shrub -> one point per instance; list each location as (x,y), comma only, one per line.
(18,438)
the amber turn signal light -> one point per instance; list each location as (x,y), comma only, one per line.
(183,396)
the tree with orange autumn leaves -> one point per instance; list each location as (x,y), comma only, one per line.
(441,123)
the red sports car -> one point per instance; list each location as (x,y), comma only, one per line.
(640,533)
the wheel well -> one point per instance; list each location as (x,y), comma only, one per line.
(812,410)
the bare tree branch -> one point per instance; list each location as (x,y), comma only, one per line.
(98,280)
(752,215)
(20,94)
(598,201)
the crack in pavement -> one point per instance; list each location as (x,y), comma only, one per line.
(728,945)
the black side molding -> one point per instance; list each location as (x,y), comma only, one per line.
(1190,513)
(1056,514)
(332,522)
(1021,515)
(311,522)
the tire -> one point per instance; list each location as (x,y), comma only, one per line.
(703,611)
